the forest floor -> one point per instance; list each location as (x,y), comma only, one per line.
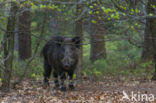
(108,90)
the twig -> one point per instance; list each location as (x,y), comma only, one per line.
(100,53)
(3,60)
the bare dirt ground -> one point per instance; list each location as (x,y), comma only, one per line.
(104,91)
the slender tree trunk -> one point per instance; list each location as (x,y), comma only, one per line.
(152,29)
(24,35)
(79,32)
(96,31)
(16,37)
(54,22)
(148,50)
(9,48)
(97,49)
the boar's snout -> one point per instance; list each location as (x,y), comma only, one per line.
(66,66)
(67,62)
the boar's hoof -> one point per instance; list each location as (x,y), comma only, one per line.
(56,87)
(63,88)
(71,87)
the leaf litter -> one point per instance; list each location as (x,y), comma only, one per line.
(103,91)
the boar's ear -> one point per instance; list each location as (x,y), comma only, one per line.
(59,40)
(76,40)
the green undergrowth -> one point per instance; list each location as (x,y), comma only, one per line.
(123,60)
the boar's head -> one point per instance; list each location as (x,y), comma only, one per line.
(69,48)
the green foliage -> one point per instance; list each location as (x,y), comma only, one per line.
(36,66)
(93,21)
(91,7)
(151,14)
(35,69)
(35,76)
(123,59)
(74,76)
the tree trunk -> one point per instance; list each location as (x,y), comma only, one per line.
(96,31)
(9,48)
(79,32)
(24,35)
(54,22)
(152,29)
(148,50)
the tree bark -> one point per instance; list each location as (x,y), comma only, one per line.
(148,50)
(24,35)
(79,32)
(96,31)
(9,49)
(153,32)
(152,29)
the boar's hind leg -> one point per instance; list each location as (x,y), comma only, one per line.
(56,82)
(47,72)
(71,86)
(63,78)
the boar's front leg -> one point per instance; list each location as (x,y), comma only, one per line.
(63,78)
(56,82)
(71,84)
(47,72)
